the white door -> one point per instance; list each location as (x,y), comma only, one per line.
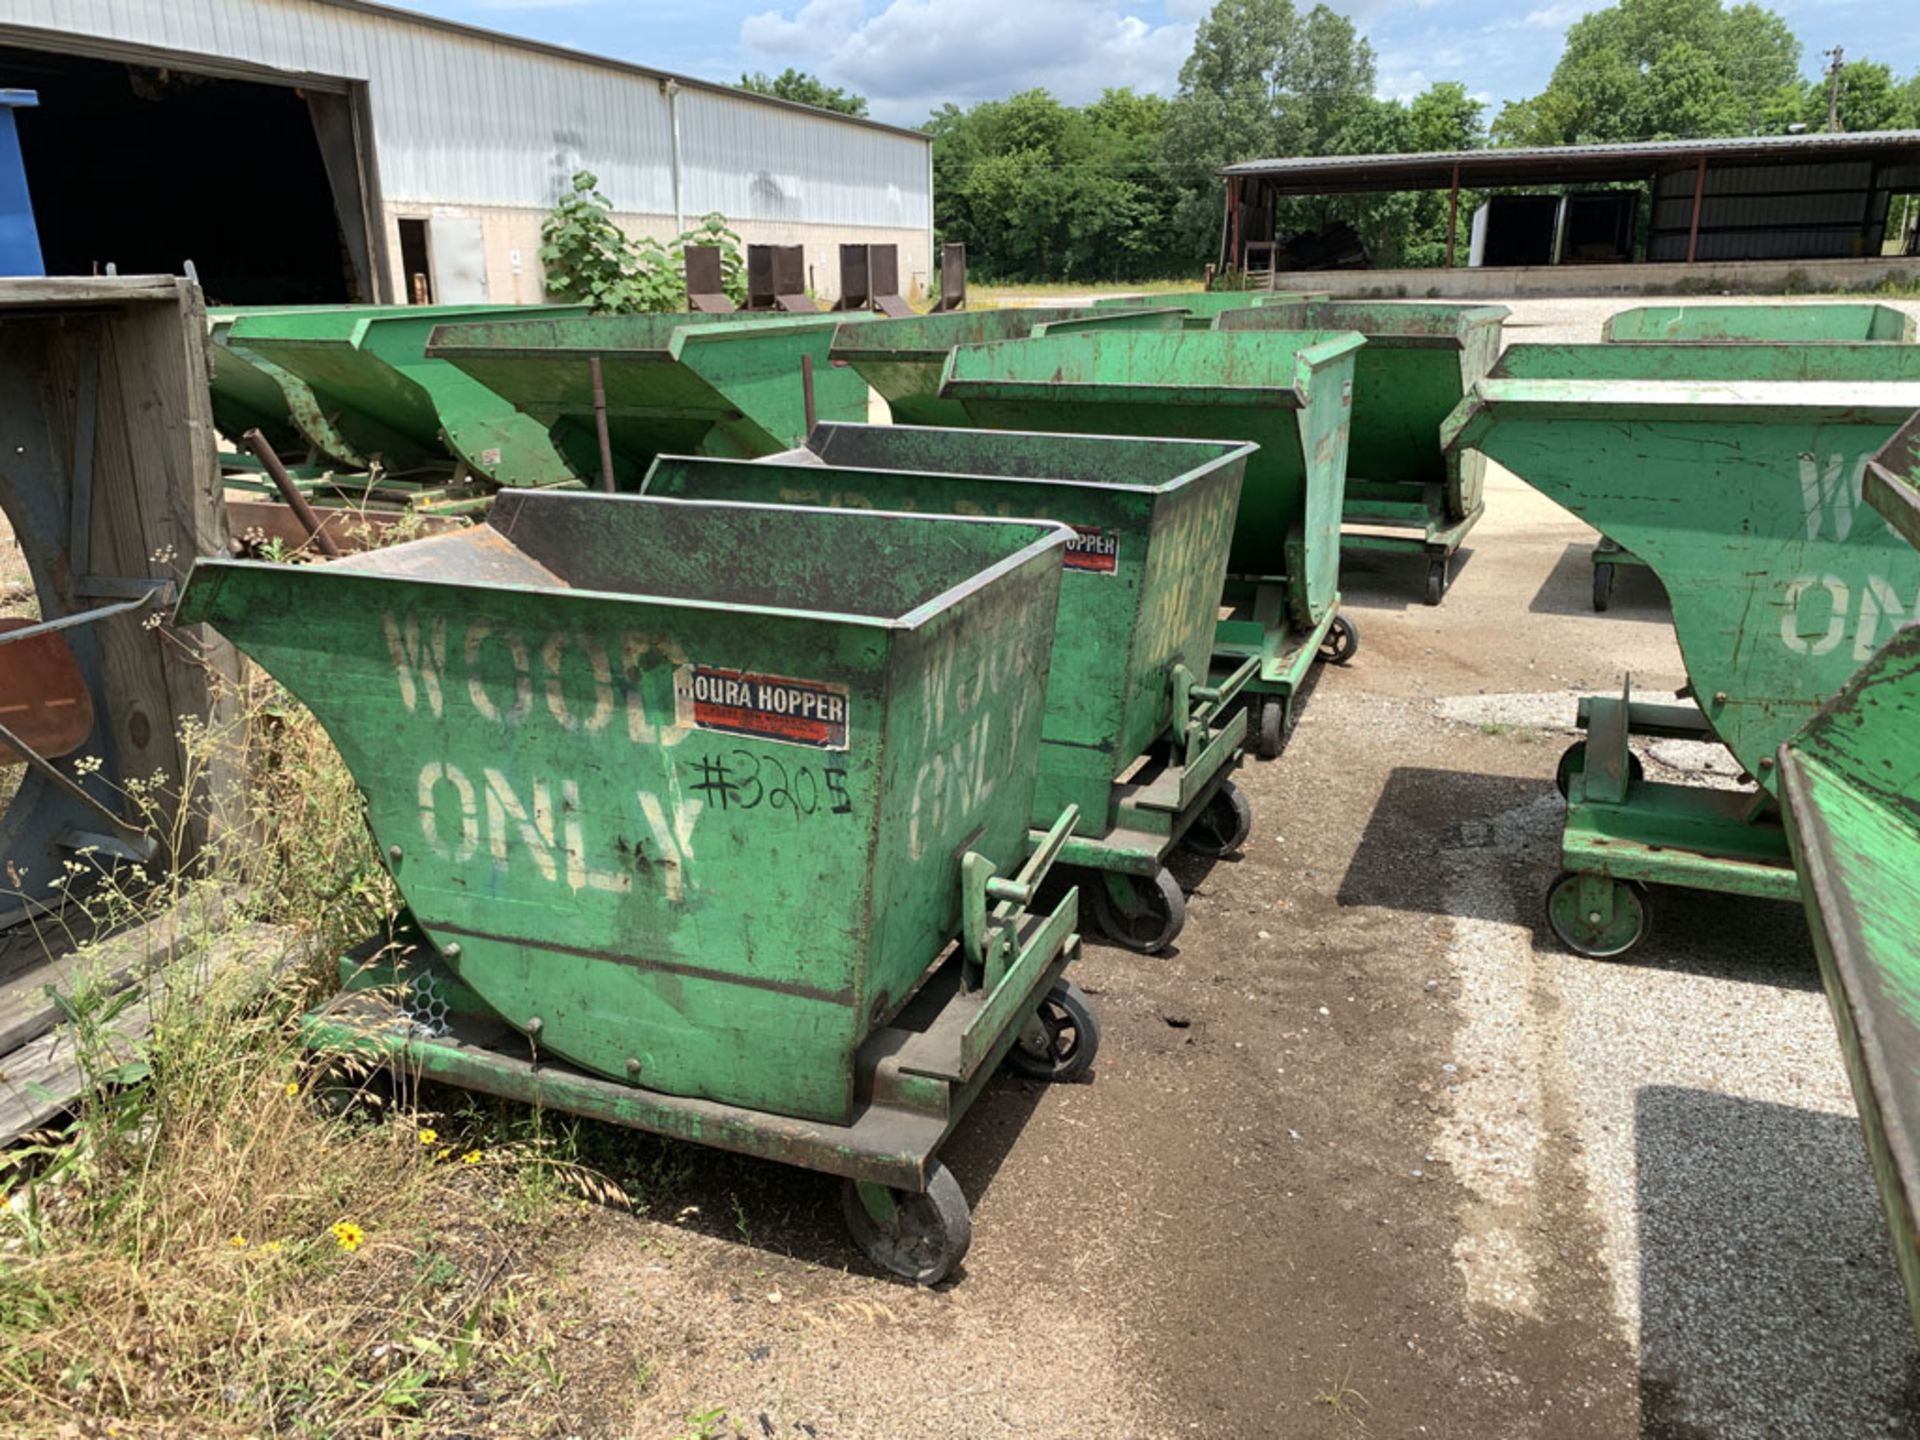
(458,254)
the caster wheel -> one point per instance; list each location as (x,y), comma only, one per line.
(1138,913)
(1602,587)
(1060,1039)
(1342,641)
(919,1236)
(1223,826)
(1438,581)
(1598,917)
(1574,759)
(1275,725)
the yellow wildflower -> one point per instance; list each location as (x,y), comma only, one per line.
(472,1157)
(427,1137)
(271,1247)
(293,1088)
(348,1236)
(239,1242)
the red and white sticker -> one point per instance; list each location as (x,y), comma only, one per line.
(1093,551)
(764,707)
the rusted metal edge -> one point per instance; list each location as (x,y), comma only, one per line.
(1890,485)
(197,602)
(1875,1068)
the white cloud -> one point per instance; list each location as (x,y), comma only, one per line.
(914,55)
(1559,17)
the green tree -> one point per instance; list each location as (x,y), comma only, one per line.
(1660,69)
(1445,117)
(1869,100)
(1262,80)
(1910,103)
(1758,55)
(1040,190)
(805,89)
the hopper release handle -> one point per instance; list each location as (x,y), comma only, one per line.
(988,934)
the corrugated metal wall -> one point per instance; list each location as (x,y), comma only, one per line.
(465,120)
(1771,212)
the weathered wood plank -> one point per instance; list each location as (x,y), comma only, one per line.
(38,293)
(44,1077)
(33,963)
(156,503)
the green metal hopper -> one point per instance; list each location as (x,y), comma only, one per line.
(1850,783)
(1734,472)
(1793,324)
(368,393)
(1404,492)
(1152,519)
(675,384)
(249,391)
(687,803)
(1811,324)
(1201,307)
(903,359)
(1291,394)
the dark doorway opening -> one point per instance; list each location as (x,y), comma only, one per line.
(416,262)
(148,167)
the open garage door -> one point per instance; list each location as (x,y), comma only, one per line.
(148,166)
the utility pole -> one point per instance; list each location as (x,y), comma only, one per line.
(1836,55)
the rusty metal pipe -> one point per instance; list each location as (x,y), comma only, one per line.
(600,424)
(290,492)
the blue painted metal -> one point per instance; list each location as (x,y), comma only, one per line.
(19,236)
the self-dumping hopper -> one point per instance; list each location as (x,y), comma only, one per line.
(711,820)
(1850,784)
(903,359)
(1135,739)
(1289,393)
(365,391)
(1816,324)
(1850,787)
(1734,471)
(1405,493)
(673,384)
(1202,306)
(249,392)
(1793,324)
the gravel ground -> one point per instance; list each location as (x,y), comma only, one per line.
(1715,1126)
(1365,1153)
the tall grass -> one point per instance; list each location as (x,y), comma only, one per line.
(232,1237)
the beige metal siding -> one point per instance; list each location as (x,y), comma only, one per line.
(812,170)
(468,120)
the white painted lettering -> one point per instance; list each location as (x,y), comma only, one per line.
(432,776)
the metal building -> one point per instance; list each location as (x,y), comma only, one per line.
(333,150)
(1770,198)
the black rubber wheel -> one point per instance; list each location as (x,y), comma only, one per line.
(1437,580)
(1146,918)
(1342,642)
(1588,934)
(1602,587)
(1223,826)
(1574,757)
(1060,1039)
(919,1236)
(1275,724)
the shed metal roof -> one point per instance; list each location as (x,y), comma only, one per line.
(1557,164)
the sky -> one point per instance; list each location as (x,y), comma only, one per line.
(910,56)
